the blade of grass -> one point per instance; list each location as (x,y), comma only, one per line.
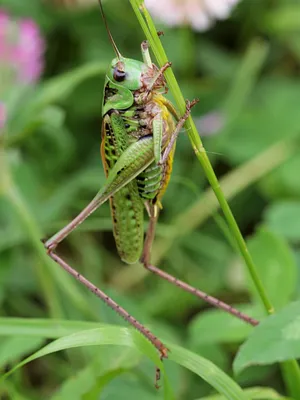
(113,335)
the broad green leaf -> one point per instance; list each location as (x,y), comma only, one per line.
(284,218)
(219,327)
(275,339)
(276,267)
(255,393)
(114,335)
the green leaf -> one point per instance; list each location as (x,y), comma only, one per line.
(208,371)
(283,19)
(16,347)
(272,114)
(114,335)
(284,218)
(255,393)
(58,88)
(283,181)
(107,364)
(276,265)
(43,328)
(275,339)
(219,327)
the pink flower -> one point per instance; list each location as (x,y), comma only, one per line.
(200,14)
(21,50)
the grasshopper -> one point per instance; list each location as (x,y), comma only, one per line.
(139,131)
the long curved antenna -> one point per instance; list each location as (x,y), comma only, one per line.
(118,54)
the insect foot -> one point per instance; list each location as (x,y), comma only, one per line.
(163,354)
(189,105)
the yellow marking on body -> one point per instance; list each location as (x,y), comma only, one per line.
(169,128)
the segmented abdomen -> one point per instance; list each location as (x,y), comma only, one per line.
(149,181)
(127,209)
(152,183)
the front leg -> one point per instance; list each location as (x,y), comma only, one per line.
(179,126)
(147,60)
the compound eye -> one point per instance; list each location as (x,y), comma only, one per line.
(119,75)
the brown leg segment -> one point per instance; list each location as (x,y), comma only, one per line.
(163,351)
(153,214)
(179,126)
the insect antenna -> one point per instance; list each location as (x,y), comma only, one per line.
(118,54)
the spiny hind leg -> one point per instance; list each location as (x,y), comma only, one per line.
(162,349)
(153,212)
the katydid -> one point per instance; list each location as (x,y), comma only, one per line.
(139,131)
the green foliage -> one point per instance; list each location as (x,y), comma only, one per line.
(50,169)
(275,339)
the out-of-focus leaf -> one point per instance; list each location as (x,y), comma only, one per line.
(59,88)
(283,19)
(42,328)
(92,379)
(15,347)
(215,326)
(284,218)
(283,181)
(275,339)
(271,115)
(276,266)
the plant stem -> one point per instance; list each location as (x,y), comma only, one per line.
(291,374)
(145,20)
(158,50)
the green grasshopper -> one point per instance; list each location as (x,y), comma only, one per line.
(139,131)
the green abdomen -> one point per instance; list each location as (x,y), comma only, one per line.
(127,208)
(149,181)
(127,215)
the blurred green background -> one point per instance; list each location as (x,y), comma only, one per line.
(244,70)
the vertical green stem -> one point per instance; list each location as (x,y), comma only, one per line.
(158,50)
(290,369)
(291,375)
